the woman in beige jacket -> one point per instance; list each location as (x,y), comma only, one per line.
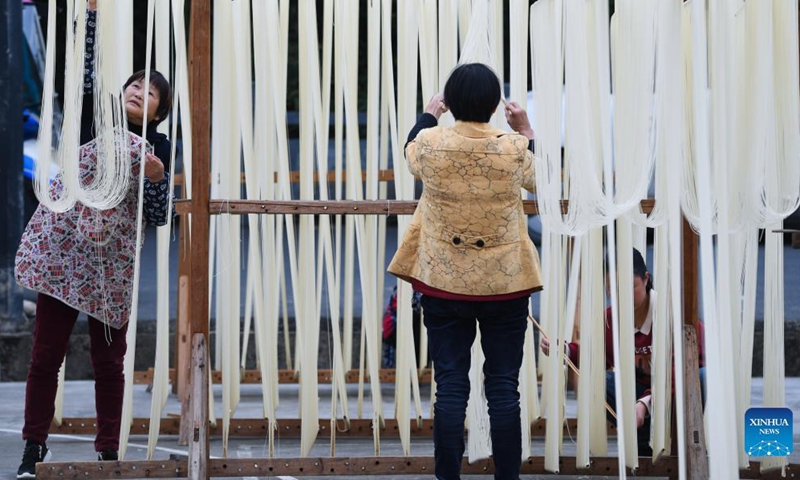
(468,252)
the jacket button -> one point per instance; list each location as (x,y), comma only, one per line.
(456,240)
(480,244)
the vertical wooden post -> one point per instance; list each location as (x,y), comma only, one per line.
(696,459)
(696,452)
(183,340)
(200,88)
(200,94)
(180,382)
(198,448)
(690,272)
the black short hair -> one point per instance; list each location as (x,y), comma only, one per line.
(472,92)
(161,84)
(639,268)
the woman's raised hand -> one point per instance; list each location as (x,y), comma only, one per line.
(517,119)
(153,168)
(436,106)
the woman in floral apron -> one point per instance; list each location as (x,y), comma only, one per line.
(82,260)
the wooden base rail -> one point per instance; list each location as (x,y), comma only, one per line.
(288,428)
(387,375)
(356,466)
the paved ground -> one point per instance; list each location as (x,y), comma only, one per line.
(78,403)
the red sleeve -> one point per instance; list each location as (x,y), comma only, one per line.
(575,347)
(389,316)
(574,352)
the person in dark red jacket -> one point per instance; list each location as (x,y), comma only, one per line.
(644,305)
(390,327)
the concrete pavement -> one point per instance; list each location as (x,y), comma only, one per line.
(79,403)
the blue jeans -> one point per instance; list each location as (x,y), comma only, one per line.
(451,333)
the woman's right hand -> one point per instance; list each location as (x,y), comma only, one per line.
(436,106)
(545,346)
(153,168)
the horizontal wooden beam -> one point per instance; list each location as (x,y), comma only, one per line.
(294,177)
(172,468)
(287,428)
(387,375)
(339,207)
(357,466)
(421,465)
(322,466)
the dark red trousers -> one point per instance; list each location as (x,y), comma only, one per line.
(54,322)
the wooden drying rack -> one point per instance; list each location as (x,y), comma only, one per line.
(191,373)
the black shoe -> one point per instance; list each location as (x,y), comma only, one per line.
(107,456)
(34,453)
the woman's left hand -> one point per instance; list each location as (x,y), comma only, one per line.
(153,168)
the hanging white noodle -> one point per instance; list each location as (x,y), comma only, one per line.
(669,133)
(720,467)
(781,192)
(270,97)
(305,312)
(518,79)
(68,141)
(553,315)
(592,428)
(479,444)
(127,400)
(111,180)
(339,391)
(227,149)
(547,77)
(160,390)
(633,85)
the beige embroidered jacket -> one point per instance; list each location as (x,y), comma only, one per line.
(469,234)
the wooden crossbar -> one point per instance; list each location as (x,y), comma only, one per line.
(289,427)
(387,375)
(338,207)
(294,177)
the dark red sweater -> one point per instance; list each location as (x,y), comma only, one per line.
(643,344)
